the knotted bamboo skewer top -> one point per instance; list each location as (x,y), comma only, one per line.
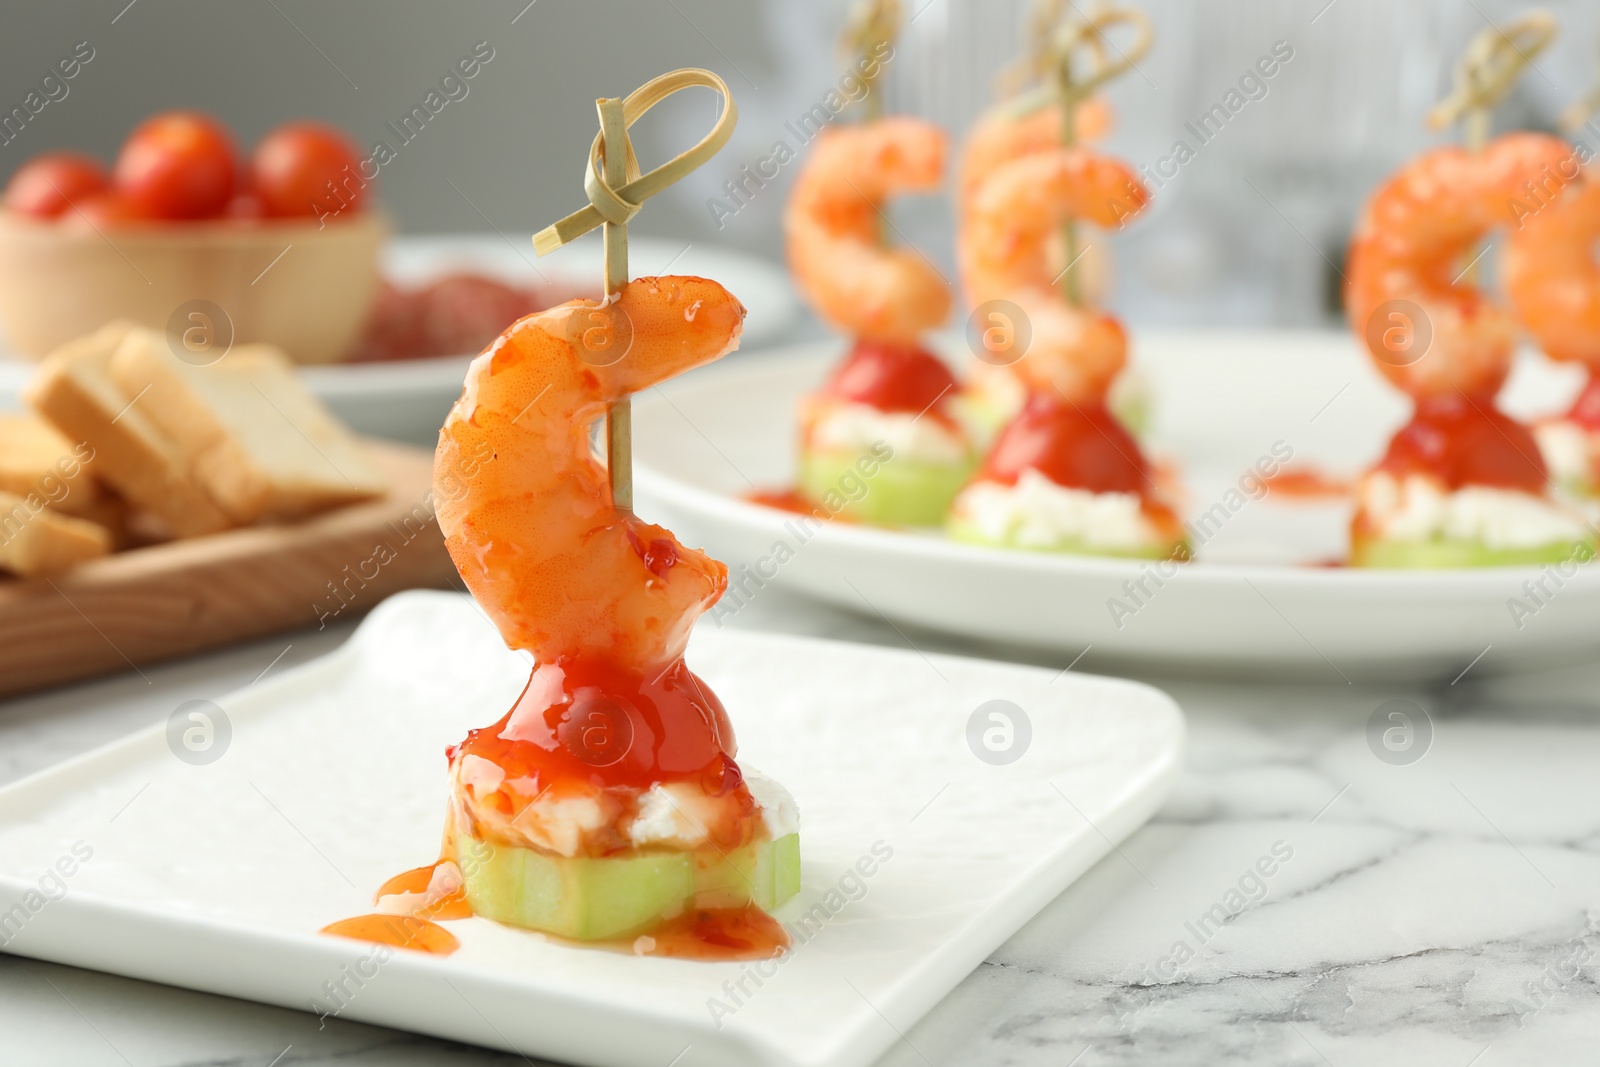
(872,24)
(1487,70)
(616,191)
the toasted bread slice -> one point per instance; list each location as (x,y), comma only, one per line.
(36,459)
(73,389)
(256,439)
(37,540)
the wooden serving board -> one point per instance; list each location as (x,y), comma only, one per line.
(150,604)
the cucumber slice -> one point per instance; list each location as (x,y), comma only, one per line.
(901,492)
(965,531)
(1436,555)
(589,899)
(764,874)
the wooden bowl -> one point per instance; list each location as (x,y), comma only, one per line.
(287,282)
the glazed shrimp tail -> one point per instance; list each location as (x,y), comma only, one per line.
(1010,249)
(1000,136)
(526,507)
(1552,275)
(831,225)
(1413,244)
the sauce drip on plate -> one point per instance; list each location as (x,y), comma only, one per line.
(1308,483)
(401,931)
(709,934)
(746,933)
(451,906)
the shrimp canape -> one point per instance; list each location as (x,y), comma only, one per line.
(1064,475)
(608,799)
(1554,282)
(1462,484)
(1044,114)
(887,415)
(607,804)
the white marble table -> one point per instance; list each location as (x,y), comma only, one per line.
(1444,911)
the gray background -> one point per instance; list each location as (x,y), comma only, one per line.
(1251,232)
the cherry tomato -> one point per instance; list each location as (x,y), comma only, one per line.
(47,186)
(294,166)
(177,165)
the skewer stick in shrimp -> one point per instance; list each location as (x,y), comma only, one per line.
(613,200)
(619,415)
(872,25)
(1073,91)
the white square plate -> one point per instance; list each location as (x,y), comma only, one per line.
(332,778)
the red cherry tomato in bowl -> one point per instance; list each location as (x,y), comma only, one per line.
(177,165)
(48,185)
(294,166)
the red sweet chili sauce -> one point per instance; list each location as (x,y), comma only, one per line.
(894,378)
(1308,483)
(1586,410)
(1467,442)
(1076,446)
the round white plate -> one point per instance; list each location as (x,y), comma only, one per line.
(408,400)
(1255,600)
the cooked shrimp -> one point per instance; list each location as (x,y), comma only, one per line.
(1000,135)
(526,507)
(1010,249)
(1553,277)
(1413,244)
(831,224)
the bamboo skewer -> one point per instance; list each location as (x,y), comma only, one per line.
(871,23)
(616,191)
(1486,72)
(619,415)
(1070,91)
(1579,112)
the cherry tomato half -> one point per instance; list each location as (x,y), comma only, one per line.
(48,185)
(177,165)
(307,169)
